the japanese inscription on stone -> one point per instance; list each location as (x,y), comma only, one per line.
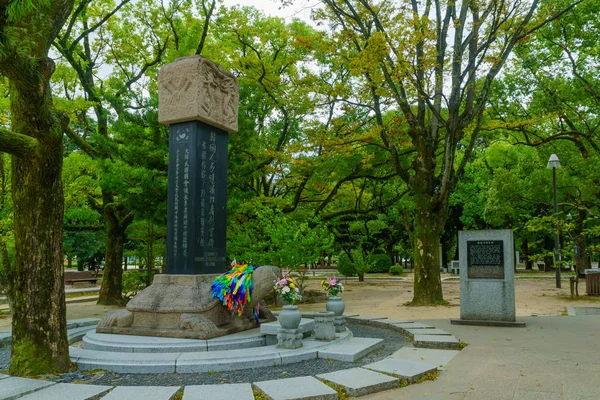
(485,259)
(199,100)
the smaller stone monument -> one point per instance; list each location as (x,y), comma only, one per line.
(487,285)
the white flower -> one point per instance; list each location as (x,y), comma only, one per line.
(286,289)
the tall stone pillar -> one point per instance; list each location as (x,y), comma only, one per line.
(199,101)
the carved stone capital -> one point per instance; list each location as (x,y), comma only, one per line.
(195,88)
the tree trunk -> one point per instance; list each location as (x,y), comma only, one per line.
(428,224)
(582,257)
(110,292)
(39,330)
(525,253)
(150,251)
(361,277)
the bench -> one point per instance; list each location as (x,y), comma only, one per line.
(72,277)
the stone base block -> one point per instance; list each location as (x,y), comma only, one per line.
(289,338)
(340,324)
(506,324)
(182,306)
(324,326)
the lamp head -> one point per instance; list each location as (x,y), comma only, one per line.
(553,162)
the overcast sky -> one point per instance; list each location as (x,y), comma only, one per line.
(300,9)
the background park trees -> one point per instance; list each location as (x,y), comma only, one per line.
(375,129)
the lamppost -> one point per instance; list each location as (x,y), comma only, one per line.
(555,163)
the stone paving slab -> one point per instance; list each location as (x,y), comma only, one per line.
(366,318)
(404,369)
(385,323)
(351,350)
(435,342)
(413,325)
(67,391)
(305,387)
(360,381)
(142,393)
(13,388)
(271,328)
(236,391)
(413,332)
(2,376)
(440,358)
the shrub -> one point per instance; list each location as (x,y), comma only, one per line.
(134,281)
(396,270)
(345,266)
(379,263)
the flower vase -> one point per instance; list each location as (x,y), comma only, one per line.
(289,317)
(336,305)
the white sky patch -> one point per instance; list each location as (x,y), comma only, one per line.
(300,9)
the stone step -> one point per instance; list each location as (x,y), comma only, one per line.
(413,332)
(133,363)
(76,334)
(360,382)
(305,387)
(142,393)
(2,376)
(78,323)
(351,350)
(67,391)
(409,370)
(235,391)
(440,358)
(13,388)
(436,342)
(202,361)
(5,338)
(140,344)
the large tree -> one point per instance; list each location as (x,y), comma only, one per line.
(34,139)
(432,64)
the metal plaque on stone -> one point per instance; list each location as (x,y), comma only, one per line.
(485,259)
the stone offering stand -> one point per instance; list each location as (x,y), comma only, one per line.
(431,350)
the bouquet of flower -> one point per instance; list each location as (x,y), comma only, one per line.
(333,285)
(287,289)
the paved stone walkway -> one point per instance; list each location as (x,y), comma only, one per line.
(552,358)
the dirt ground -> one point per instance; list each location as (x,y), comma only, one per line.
(389,299)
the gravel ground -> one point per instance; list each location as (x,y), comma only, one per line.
(4,357)
(392,342)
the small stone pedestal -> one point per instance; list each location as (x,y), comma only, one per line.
(289,338)
(324,326)
(340,324)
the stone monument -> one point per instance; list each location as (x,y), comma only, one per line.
(487,285)
(199,101)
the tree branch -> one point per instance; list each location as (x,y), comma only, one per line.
(17,144)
